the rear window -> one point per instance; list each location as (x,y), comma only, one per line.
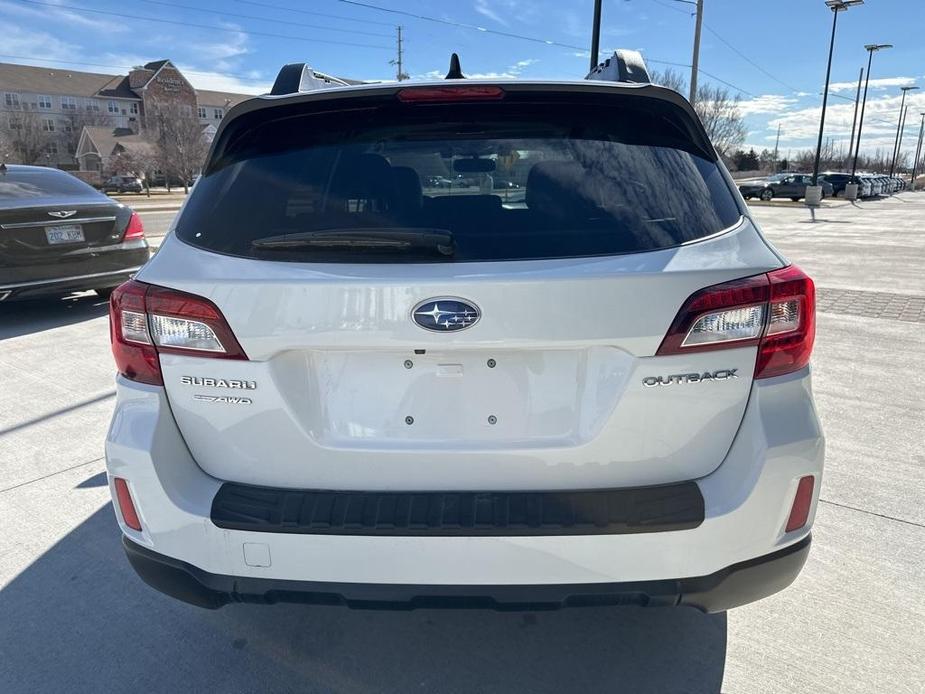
(503,181)
(35,185)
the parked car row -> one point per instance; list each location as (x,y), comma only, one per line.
(793,185)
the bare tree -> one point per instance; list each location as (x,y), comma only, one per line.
(141,160)
(180,145)
(28,139)
(717,108)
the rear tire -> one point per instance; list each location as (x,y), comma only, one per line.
(795,199)
(104,293)
(767,195)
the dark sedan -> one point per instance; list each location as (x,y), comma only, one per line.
(791,186)
(57,234)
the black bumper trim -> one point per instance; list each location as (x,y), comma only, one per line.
(453,514)
(730,587)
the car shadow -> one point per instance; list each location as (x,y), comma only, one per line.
(107,631)
(35,315)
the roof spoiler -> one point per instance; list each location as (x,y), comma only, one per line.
(300,77)
(623,66)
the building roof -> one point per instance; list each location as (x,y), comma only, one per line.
(105,139)
(45,80)
(206,97)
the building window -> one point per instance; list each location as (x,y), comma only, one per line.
(45,102)
(51,148)
(133,108)
(48,125)
(112,106)
(15,123)
(93,106)
(202,112)
(71,149)
(186,110)
(68,103)
(11,100)
(218,113)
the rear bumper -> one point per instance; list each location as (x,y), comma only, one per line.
(746,504)
(724,589)
(106,269)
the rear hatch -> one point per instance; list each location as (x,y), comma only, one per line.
(50,223)
(460,290)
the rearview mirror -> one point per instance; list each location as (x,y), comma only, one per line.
(474,165)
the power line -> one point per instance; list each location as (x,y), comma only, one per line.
(314,14)
(747,59)
(462,25)
(222,13)
(210,27)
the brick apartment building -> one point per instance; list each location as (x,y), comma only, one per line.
(84,118)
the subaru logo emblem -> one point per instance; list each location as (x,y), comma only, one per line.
(445,314)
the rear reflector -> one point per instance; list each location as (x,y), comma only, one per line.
(135,229)
(146,320)
(442,94)
(802,502)
(126,506)
(774,311)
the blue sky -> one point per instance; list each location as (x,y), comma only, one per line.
(773,52)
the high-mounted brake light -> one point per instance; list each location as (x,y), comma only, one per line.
(134,229)
(146,320)
(474,92)
(775,311)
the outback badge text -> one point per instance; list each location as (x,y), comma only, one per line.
(719,375)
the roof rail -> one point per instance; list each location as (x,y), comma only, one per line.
(300,77)
(623,66)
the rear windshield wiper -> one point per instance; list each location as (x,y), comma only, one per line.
(377,238)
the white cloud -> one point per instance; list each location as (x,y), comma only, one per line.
(799,128)
(221,53)
(876,83)
(484,9)
(47,13)
(511,72)
(37,45)
(766,103)
(216,81)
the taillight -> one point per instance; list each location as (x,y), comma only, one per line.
(135,229)
(775,311)
(475,92)
(126,505)
(146,320)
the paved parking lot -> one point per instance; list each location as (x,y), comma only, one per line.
(74,617)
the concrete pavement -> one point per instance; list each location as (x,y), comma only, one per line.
(73,615)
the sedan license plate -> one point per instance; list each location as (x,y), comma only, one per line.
(65,233)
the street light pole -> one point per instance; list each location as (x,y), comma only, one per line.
(854,118)
(871,48)
(918,152)
(899,128)
(814,196)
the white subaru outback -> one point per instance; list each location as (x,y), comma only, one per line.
(499,344)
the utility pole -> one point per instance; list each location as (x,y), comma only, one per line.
(918,153)
(854,119)
(695,61)
(398,60)
(596,34)
(776,145)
